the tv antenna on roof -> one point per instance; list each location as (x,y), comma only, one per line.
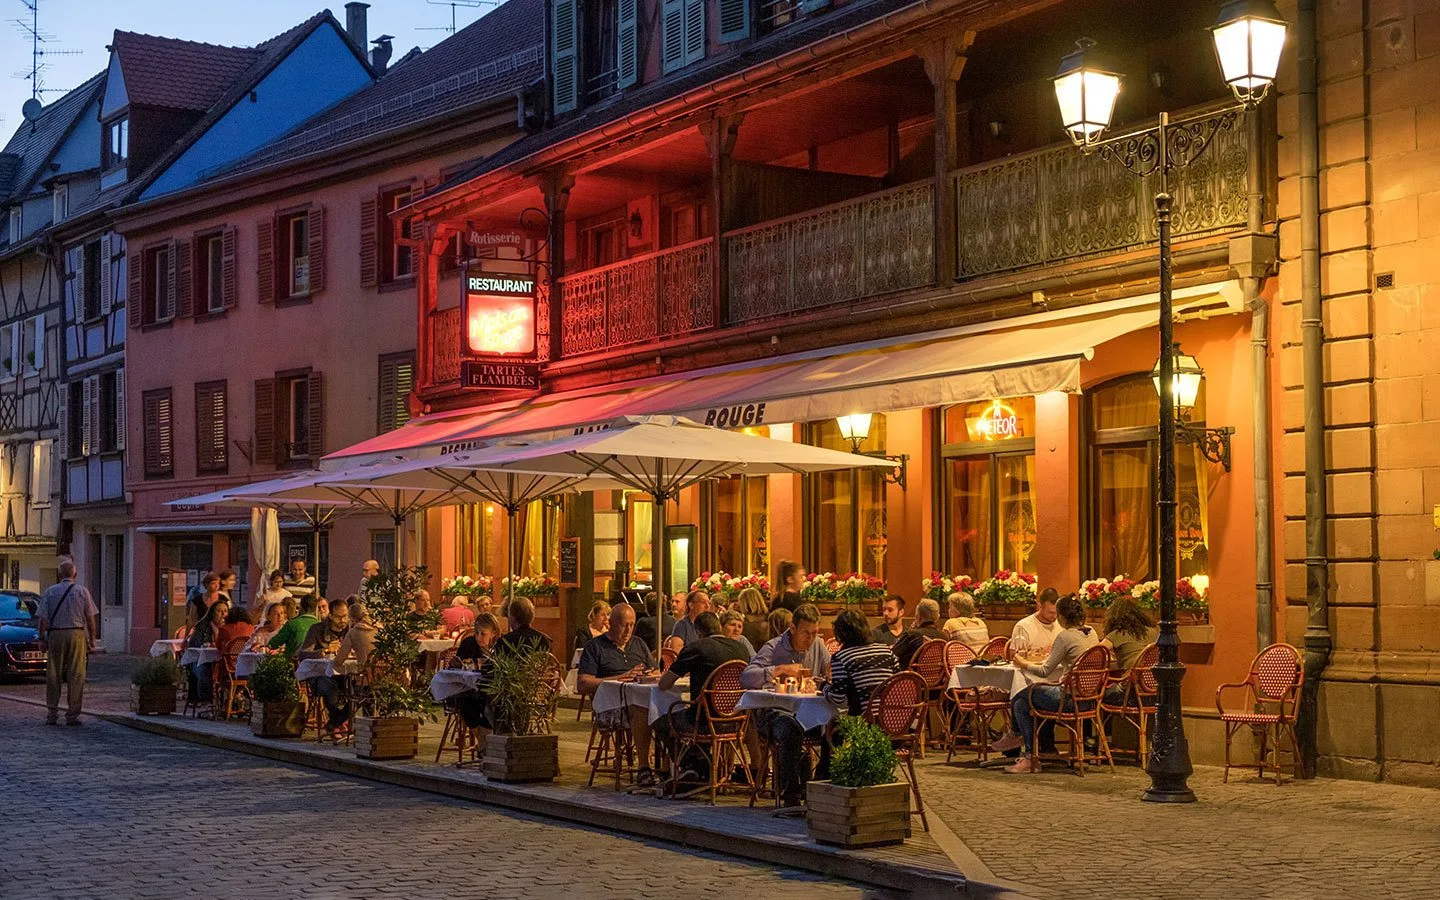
(453,4)
(38,48)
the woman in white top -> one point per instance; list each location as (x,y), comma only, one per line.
(1070,644)
(963,625)
(271,621)
(274,591)
(359,639)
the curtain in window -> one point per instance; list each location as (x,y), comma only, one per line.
(1126,510)
(970,497)
(1017,512)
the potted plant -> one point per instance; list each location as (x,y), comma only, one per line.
(1006,594)
(536,587)
(520,700)
(726,587)
(276,710)
(862,805)
(396,707)
(468,586)
(153,686)
(939,586)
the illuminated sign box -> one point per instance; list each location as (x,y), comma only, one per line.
(499,314)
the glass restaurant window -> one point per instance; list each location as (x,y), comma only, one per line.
(1124,418)
(539,529)
(848,530)
(988,453)
(479,535)
(737,515)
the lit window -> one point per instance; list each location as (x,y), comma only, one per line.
(295,231)
(117,143)
(62,202)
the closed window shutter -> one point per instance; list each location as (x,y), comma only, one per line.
(564,58)
(39,348)
(184,277)
(227,265)
(316,229)
(265,262)
(734,20)
(62,423)
(135,287)
(120,409)
(694,31)
(87,391)
(369,242)
(265,449)
(107,288)
(672,35)
(315,440)
(397,379)
(94,431)
(210,430)
(627,50)
(159,449)
(75,283)
(168,312)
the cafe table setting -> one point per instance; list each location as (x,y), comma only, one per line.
(198,656)
(646,694)
(323,667)
(810,708)
(1002,675)
(174,646)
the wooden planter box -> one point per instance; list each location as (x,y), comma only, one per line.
(284,719)
(858,817)
(531,757)
(396,737)
(153,699)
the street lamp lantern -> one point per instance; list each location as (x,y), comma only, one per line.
(1086,91)
(1249,36)
(1186,376)
(855,428)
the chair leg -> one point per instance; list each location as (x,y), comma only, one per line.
(444,736)
(915,789)
(1225,777)
(1105,745)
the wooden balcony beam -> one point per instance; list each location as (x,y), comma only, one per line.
(944,61)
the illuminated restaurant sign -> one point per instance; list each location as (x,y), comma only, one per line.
(499,314)
(998,422)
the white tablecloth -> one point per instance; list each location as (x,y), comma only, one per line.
(615,694)
(1007,678)
(194,656)
(446,683)
(810,710)
(435,645)
(317,668)
(245,664)
(162,647)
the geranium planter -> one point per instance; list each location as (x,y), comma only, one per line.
(394,737)
(857,817)
(283,719)
(152,699)
(529,757)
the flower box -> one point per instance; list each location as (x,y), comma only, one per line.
(521,757)
(153,699)
(393,737)
(283,719)
(857,817)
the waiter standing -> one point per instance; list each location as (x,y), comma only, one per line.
(69,622)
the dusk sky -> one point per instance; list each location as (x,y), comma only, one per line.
(87,26)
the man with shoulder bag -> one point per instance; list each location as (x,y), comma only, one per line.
(68,625)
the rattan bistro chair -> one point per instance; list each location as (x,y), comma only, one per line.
(975,707)
(898,707)
(1081,691)
(1138,699)
(718,729)
(225,684)
(929,663)
(998,648)
(1272,694)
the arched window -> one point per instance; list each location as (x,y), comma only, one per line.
(1123,438)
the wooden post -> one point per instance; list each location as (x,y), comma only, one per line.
(944,61)
(556,187)
(428,248)
(720,136)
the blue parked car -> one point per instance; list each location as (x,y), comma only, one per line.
(21,653)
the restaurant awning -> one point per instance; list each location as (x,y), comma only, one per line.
(222,526)
(1019,356)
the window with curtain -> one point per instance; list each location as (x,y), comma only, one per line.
(988,503)
(1124,418)
(478,540)
(739,521)
(639,535)
(539,530)
(848,530)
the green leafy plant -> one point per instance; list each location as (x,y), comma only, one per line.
(273,681)
(863,755)
(520,691)
(390,598)
(160,671)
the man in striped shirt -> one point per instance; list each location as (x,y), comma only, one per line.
(859,666)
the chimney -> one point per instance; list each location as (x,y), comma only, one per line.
(356,24)
(380,56)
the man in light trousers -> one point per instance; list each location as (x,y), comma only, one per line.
(68,625)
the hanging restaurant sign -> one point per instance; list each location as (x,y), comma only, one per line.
(508,238)
(498,311)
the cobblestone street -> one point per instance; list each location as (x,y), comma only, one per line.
(106,811)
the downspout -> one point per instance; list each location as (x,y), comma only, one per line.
(1260,364)
(1317,629)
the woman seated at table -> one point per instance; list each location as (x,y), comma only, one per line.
(1067,649)
(271,620)
(732,625)
(963,625)
(455,615)
(597,623)
(475,650)
(237,626)
(1128,631)
(777,623)
(203,635)
(859,666)
(359,639)
(752,604)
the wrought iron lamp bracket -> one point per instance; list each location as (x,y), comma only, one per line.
(1164,148)
(895,475)
(1214,443)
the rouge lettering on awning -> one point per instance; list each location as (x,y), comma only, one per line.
(736,416)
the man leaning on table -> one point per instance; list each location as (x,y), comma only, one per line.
(618,655)
(796,653)
(68,625)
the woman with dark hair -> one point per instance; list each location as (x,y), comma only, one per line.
(1128,630)
(859,666)
(203,636)
(1069,646)
(790,577)
(237,625)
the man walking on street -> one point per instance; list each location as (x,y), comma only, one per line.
(68,624)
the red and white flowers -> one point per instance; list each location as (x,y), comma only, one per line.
(852,587)
(1006,587)
(468,586)
(938,586)
(532,586)
(726,587)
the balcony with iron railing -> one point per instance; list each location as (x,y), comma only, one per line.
(657,295)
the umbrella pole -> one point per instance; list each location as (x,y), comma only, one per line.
(512,552)
(659,570)
(399,522)
(315,537)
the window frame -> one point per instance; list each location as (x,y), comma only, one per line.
(113,158)
(392,199)
(289,224)
(156,283)
(16,224)
(209,273)
(42,490)
(60,198)
(811,504)
(292,401)
(91,312)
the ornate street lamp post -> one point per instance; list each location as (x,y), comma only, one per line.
(1249,36)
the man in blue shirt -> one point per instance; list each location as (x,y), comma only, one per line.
(795,654)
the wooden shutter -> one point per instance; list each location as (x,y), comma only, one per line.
(734,20)
(171,264)
(87,391)
(210,427)
(75,283)
(265,263)
(266,452)
(316,231)
(135,286)
(672,35)
(184,276)
(119,409)
(39,346)
(94,430)
(316,403)
(369,242)
(397,380)
(564,55)
(107,272)
(159,433)
(62,423)
(227,265)
(627,50)
(694,31)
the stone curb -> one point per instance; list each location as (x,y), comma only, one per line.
(835,862)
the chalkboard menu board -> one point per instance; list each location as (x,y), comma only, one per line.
(570,562)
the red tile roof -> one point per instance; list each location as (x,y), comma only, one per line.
(176,74)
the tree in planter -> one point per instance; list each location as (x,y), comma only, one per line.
(862,804)
(276,711)
(520,695)
(154,684)
(396,706)
(863,755)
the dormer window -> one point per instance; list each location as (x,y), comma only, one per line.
(62,202)
(117,143)
(15,223)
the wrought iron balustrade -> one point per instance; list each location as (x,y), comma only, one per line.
(445,345)
(659,294)
(870,245)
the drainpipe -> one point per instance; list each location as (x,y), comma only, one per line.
(1317,629)
(1260,364)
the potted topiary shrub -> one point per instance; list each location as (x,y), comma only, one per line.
(276,710)
(520,702)
(153,686)
(862,805)
(395,707)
